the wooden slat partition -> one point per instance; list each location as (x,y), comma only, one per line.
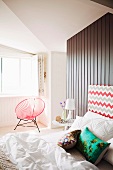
(89,60)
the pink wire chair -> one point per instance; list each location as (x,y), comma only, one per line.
(29,109)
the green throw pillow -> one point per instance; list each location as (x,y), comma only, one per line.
(91,146)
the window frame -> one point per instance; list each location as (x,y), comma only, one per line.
(19,93)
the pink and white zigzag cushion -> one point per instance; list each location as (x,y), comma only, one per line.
(100,100)
(101,127)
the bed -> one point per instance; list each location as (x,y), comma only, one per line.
(26,150)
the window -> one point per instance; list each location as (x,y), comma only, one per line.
(10,75)
(18,76)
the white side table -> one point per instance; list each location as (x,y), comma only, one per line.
(66,125)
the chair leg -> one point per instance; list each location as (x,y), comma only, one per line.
(34,120)
(17,124)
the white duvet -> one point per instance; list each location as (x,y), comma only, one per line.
(33,153)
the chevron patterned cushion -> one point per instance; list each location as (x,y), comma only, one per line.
(100,100)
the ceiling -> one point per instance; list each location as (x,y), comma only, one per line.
(45,25)
(108,3)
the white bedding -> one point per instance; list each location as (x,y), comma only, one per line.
(28,152)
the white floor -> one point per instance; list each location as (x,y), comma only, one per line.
(43,129)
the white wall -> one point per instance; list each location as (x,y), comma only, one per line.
(56,87)
(58,82)
(7,110)
(45,117)
(55,93)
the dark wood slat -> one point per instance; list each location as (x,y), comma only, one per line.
(96,54)
(107,49)
(79,71)
(86,71)
(103,73)
(89,55)
(111,49)
(83,71)
(72,69)
(75,76)
(68,68)
(89,60)
(99,52)
(77,80)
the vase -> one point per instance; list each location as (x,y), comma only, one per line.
(64,115)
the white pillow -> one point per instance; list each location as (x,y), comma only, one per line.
(75,123)
(91,115)
(109,154)
(101,127)
(78,117)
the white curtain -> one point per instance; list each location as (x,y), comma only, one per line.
(41,75)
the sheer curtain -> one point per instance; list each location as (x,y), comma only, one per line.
(41,75)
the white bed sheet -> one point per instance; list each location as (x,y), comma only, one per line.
(54,137)
(29,152)
(103,165)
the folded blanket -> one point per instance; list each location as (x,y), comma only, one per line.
(5,163)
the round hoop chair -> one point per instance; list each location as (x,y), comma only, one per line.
(29,109)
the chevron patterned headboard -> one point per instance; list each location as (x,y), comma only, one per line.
(100,100)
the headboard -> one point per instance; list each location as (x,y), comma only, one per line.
(100,100)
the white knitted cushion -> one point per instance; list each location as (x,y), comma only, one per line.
(109,154)
(101,127)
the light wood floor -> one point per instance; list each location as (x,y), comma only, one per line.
(43,129)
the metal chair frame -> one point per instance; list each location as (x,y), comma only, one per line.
(31,120)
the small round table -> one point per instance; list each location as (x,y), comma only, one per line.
(66,125)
